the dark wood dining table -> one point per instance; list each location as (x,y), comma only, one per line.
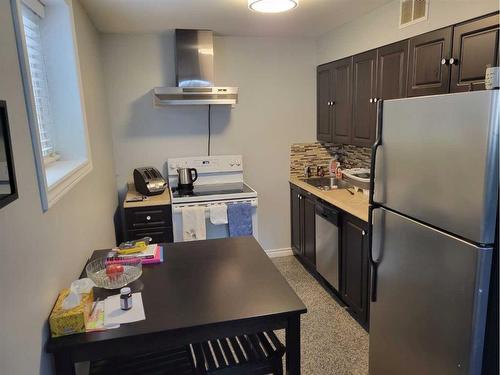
(203,290)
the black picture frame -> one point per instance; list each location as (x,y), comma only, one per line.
(5,130)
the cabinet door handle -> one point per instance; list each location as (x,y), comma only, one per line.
(148,218)
(363,233)
(371,100)
(445,62)
(453,61)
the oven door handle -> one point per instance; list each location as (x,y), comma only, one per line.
(177,207)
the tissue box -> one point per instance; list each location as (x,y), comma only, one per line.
(66,322)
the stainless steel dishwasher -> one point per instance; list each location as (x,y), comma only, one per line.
(327,244)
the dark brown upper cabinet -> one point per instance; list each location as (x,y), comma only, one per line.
(392,68)
(475,47)
(342,100)
(364,100)
(451,59)
(429,68)
(324,127)
(334,92)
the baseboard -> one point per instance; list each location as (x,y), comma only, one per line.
(276,253)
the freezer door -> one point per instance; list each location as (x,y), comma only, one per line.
(432,289)
(438,161)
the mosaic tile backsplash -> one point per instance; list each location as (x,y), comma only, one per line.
(319,154)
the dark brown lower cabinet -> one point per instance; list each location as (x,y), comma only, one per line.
(154,222)
(303,225)
(295,216)
(355,267)
(310,230)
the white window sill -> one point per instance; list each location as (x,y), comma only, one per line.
(62,175)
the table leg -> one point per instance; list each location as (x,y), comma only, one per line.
(293,346)
(64,365)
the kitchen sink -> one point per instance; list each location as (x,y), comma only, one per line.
(327,183)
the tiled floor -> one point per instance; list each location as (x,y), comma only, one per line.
(332,342)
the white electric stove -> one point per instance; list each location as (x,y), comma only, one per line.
(220,181)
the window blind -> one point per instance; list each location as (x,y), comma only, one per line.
(39,82)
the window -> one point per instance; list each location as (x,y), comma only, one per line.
(54,100)
(31,22)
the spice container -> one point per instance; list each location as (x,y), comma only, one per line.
(125,298)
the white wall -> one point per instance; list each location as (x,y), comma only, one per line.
(276,107)
(42,253)
(380,27)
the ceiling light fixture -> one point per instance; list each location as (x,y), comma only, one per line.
(272,6)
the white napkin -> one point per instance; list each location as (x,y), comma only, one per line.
(193,224)
(77,288)
(218,214)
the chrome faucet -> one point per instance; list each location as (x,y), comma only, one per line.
(307,172)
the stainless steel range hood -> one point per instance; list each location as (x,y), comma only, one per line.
(194,73)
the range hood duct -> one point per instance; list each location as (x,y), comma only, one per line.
(194,73)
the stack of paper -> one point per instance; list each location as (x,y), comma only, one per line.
(114,315)
(149,252)
(152,254)
(107,314)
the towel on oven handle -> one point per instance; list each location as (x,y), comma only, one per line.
(240,219)
(193,223)
(218,214)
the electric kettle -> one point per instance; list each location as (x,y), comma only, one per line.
(186,178)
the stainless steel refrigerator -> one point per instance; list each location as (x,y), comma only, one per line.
(434,210)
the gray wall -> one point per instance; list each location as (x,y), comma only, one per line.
(42,253)
(276,108)
(381,26)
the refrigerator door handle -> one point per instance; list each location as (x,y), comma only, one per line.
(374,263)
(378,142)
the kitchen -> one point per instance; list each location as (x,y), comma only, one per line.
(277,127)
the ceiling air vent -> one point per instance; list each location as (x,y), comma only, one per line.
(413,11)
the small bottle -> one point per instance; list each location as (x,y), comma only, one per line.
(332,168)
(338,174)
(125,298)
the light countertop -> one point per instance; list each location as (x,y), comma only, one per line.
(153,200)
(356,205)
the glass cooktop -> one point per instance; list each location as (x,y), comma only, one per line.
(213,189)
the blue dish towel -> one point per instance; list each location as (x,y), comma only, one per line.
(239,216)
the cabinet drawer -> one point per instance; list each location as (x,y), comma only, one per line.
(160,216)
(158,235)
